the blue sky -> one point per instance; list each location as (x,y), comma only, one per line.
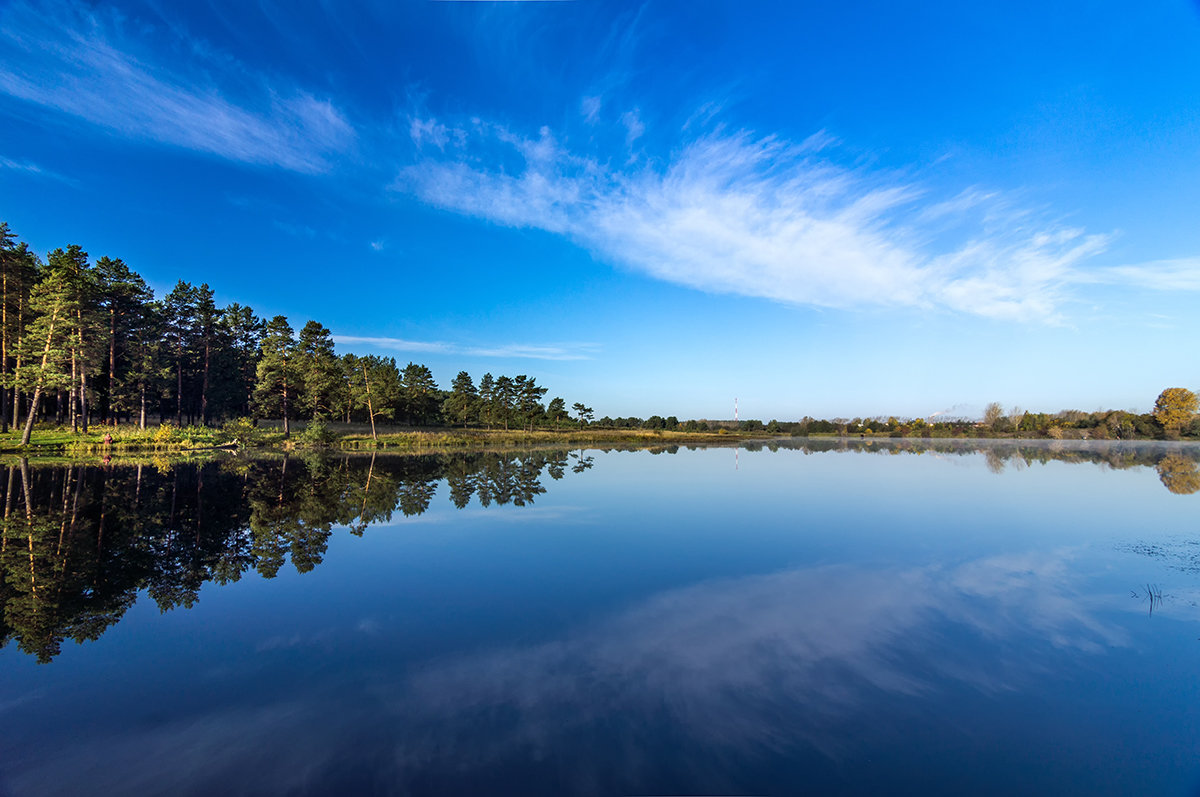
(817,208)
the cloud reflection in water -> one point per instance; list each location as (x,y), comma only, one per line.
(730,670)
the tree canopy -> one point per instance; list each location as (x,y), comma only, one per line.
(1175,407)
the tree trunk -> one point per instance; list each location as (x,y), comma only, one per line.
(204,386)
(179,384)
(37,391)
(16,413)
(287,428)
(4,354)
(142,417)
(83,402)
(72,405)
(370,408)
(112,360)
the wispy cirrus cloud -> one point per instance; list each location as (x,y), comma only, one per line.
(1160,275)
(33,169)
(530,351)
(83,63)
(760,216)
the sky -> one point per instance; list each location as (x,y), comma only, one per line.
(825,209)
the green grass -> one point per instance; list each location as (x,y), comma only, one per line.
(156,439)
(57,441)
(474,438)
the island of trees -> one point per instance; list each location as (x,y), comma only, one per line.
(86,344)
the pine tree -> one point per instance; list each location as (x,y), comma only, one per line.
(320,372)
(243,331)
(277,383)
(207,320)
(18,273)
(420,394)
(47,343)
(124,301)
(461,406)
(179,321)
(487,399)
(71,267)
(375,385)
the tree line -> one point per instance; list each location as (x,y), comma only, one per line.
(85,342)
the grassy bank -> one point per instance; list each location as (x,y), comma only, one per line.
(242,435)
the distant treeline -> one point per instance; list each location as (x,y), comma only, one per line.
(1063,425)
(1174,417)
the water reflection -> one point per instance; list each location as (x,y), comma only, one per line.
(757,665)
(80,542)
(1017,454)
(700,685)
(661,637)
(1179,474)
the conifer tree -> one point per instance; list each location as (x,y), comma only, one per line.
(243,331)
(375,386)
(47,343)
(320,371)
(420,394)
(277,382)
(18,273)
(179,323)
(124,299)
(207,320)
(487,399)
(461,405)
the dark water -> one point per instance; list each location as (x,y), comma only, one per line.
(822,619)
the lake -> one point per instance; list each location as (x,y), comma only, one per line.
(825,617)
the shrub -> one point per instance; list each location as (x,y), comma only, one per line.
(241,431)
(316,433)
(165,434)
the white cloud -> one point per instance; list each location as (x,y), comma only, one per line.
(590,108)
(579,351)
(397,344)
(33,169)
(1160,275)
(430,131)
(82,64)
(758,216)
(634,128)
(529,351)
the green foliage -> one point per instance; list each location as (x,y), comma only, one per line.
(462,405)
(317,433)
(243,432)
(165,434)
(319,371)
(583,413)
(420,399)
(277,380)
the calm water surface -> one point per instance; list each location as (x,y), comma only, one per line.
(833,618)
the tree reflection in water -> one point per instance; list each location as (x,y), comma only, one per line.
(80,542)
